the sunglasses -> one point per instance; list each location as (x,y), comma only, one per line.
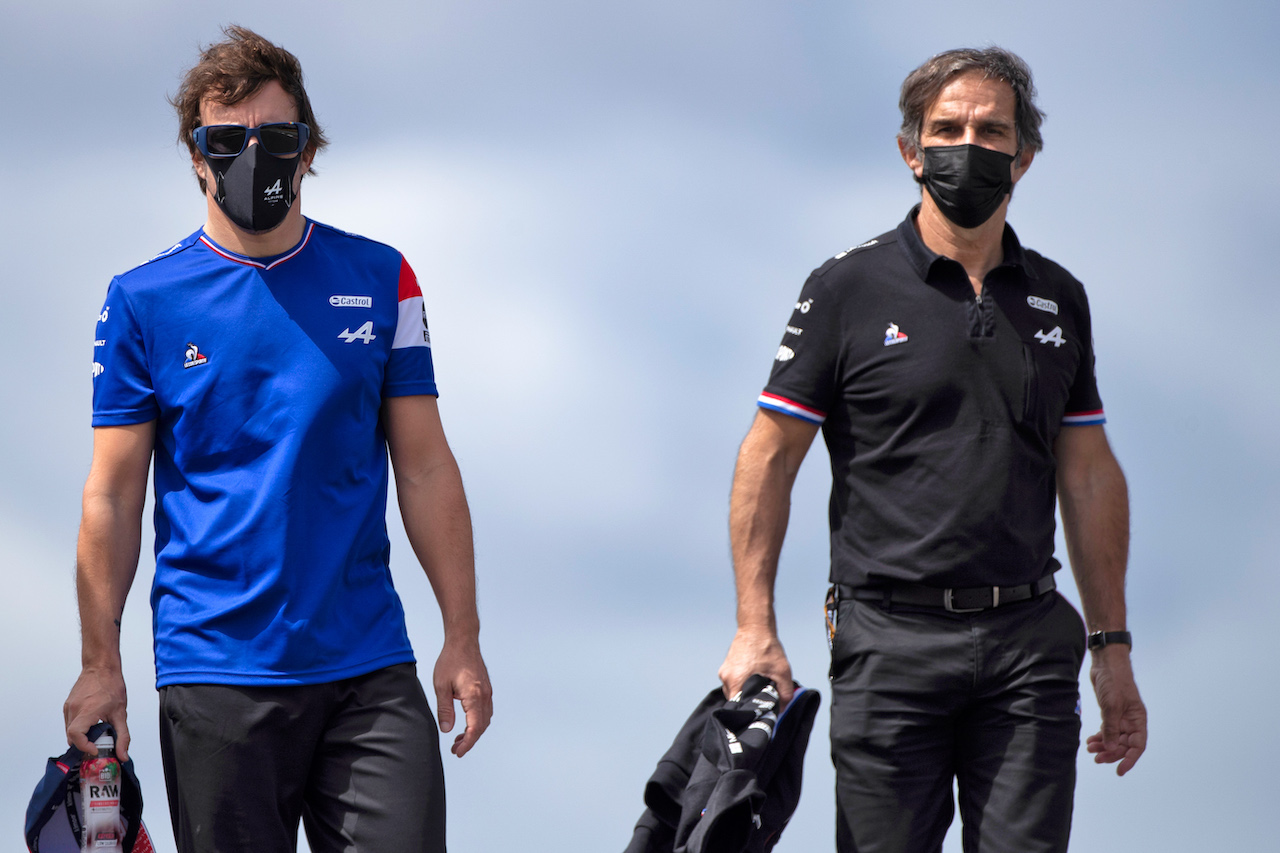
(281,139)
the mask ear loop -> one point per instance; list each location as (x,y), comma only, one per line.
(219,191)
(292,195)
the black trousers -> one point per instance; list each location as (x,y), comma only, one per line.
(357,760)
(922,697)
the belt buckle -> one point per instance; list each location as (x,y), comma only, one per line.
(951,608)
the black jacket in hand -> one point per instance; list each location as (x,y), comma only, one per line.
(731,780)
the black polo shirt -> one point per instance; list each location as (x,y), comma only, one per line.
(939,408)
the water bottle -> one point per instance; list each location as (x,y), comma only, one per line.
(100,797)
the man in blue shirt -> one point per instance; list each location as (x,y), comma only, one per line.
(269,363)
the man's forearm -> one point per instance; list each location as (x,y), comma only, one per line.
(438,524)
(759,509)
(1095,514)
(106,562)
(437,521)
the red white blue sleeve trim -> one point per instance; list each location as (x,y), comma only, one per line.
(788,407)
(411,323)
(1094,418)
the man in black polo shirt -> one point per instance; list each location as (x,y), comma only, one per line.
(951,371)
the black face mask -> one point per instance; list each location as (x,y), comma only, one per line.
(254,189)
(968,182)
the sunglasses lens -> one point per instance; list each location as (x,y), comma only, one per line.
(224,140)
(279,138)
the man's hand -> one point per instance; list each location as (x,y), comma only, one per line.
(98,694)
(756,650)
(1123,736)
(460,674)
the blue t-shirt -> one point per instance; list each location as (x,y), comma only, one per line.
(265,377)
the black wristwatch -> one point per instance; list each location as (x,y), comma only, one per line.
(1098,639)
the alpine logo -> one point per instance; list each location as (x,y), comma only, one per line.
(273,193)
(893,335)
(1054,337)
(351,301)
(1043,304)
(195,358)
(364,333)
(785,353)
(97,370)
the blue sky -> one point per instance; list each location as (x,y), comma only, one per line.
(611,208)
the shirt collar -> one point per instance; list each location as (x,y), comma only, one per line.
(261,263)
(922,258)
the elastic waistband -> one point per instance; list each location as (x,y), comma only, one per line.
(954,600)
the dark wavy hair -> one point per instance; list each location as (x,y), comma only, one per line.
(236,69)
(923,86)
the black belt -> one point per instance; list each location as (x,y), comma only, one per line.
(962,600)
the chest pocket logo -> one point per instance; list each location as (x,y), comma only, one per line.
(1054,337)
(194,358)
(894,335)
(364,333)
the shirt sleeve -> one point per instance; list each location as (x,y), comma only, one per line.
(1084,404)
(410,369)
(802,383)
(123,392)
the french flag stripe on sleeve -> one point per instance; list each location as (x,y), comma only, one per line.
(1093,418)
(411,322)
(787,407)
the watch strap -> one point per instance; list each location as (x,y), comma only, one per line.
(1098,639)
